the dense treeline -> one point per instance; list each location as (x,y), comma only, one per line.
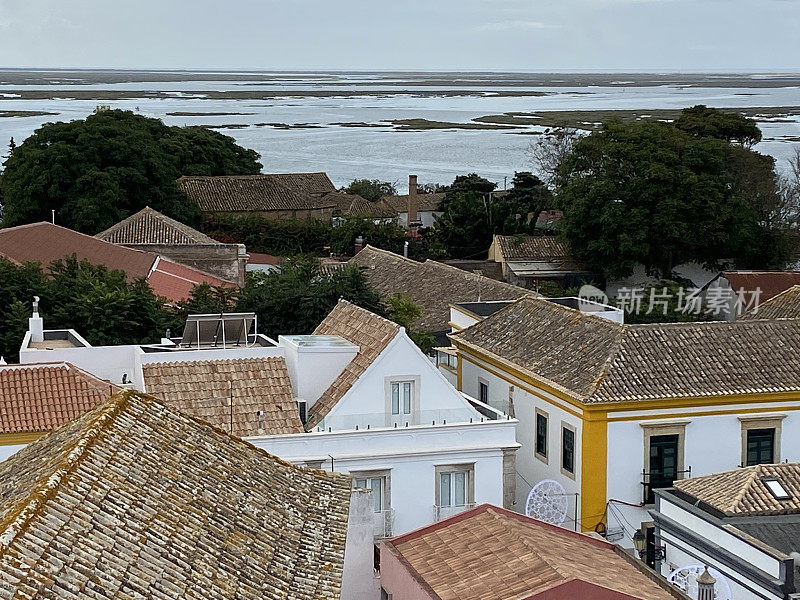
(106,309)
(96,171)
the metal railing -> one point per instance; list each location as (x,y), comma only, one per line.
(443,512)
(383,525)
(655,480)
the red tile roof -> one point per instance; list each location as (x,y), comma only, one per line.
(45,243)
(771,283)
(489,553)
(44,396)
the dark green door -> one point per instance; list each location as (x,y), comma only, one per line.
(663,464)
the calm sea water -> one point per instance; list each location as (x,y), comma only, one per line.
(384,153)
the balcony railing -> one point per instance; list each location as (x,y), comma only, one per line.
(655,480)
(383,526)
(443,512)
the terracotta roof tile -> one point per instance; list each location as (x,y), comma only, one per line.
(596,360)
(203,389)
(41,397)
(785,305)
(533,248)
(398,203)
(770,283)
(256,193)
(431,284)
(366,330)
(137,500)
(45,243)
(742,492)
(149,226)
(489,553)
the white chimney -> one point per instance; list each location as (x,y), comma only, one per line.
(705,585)
(35,323)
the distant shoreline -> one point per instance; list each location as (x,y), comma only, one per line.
(78,77)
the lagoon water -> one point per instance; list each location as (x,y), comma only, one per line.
(318,103)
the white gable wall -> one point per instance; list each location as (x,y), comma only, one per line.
(367,401)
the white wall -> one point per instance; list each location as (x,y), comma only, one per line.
(694,272)
(679,553)
(110,363)
(461,320)
(312,369)
(530,469)
(411,455)
(358,576)
(713,443)
(366,402)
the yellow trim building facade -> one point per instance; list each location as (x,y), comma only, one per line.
(591,418)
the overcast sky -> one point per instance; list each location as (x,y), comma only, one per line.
(530,35)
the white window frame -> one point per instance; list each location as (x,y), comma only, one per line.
(385,482)
(468,470)
(402,416)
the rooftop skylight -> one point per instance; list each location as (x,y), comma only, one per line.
(776,489)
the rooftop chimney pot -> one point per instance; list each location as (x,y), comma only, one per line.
(413,205)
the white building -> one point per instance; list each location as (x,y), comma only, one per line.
(744,524)
(374,406)
(613,412)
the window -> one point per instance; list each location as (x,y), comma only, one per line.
(760,446)
(663,456)
(761,439)
(401,397)
(454,485)
(453,488)
(541,434)
(379,484)
(567,449)
(483,389)
(663,464)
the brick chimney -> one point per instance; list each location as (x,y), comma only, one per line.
(705,585)
(413,205)
(359,245)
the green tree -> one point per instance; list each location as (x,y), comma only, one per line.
(464,228)
(95,171)
(651,193)
(403,310)
(297,298)
(702,121)
(528,196)
(370,189)
(99,303)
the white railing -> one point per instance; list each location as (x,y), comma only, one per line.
(443,512)
(383,526)
(425,417)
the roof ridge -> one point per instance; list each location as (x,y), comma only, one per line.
(744,489)
(393,254)
(370,313)
(614,350)
(214,360)
(18,519)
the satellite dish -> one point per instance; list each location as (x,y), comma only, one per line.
(684,578)
(547,502)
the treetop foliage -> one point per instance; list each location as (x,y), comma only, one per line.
(652,193)
(370,189)
(96,171)
(702,121)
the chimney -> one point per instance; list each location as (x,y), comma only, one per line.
(705,585)
(35,323)
(413,205)
(359,245)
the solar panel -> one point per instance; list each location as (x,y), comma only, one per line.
(217,330)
